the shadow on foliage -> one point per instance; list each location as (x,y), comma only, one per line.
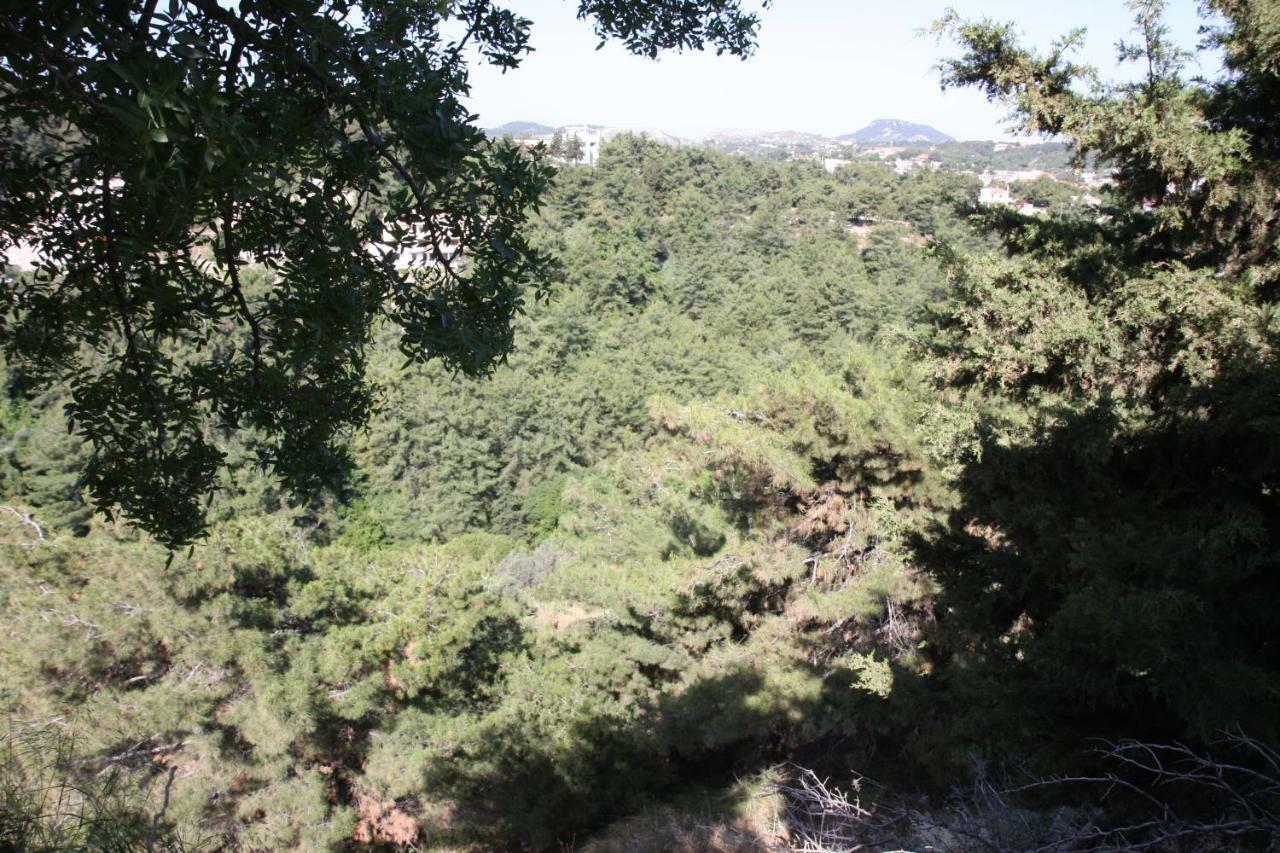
(521,788)
(1113,579)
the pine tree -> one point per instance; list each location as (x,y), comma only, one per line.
(1115,557)
(161,148)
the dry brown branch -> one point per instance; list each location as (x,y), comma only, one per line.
(1222,797)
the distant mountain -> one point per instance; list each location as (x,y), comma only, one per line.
(879,132)
(889,131)
(521,128)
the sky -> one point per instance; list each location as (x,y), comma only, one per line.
(821,66)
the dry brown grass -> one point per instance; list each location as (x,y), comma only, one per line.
(748,820)
(561,616)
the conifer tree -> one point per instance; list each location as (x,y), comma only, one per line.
(148,151)
(1115,557)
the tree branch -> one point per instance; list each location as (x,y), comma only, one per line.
(113,268)
(248,34)
(233,277)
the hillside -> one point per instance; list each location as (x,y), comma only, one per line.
(520,128)
(895,132)
(372,483)
(545,595)
(776,137)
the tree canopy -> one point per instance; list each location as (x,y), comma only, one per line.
(152,150)
(545,592)
(1117,535)
(791,469)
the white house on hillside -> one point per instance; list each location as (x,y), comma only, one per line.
(994,195)
(591,139)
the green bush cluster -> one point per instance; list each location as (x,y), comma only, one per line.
(666,535)
(787,466)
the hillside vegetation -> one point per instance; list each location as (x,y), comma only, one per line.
(667,538)
(792,476)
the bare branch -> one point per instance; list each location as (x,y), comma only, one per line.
(24,519)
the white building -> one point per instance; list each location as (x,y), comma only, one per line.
(591,139)
(994,195)
(1010,175)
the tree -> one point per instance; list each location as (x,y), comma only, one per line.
(163,148)
(1116,545)
(1047,193)
(574,646)
(573,149)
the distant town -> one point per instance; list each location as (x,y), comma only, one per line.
(1031,176)
(1026,174)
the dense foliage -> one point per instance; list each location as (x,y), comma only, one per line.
(668,533)
(789,468)
(1116,543)
(149,151)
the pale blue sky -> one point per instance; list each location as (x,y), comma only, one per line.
(823,66)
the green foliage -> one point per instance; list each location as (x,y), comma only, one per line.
(666,532)
(443,454)
(328,143)
(1117,524)
(45,462)
(758,482)
(648,27)
(671,529)
(1047,193)
(542,505)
